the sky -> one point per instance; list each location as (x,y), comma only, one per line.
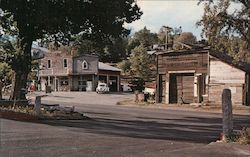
(173,13)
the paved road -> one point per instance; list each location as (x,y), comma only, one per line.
(118,131)
(85,97)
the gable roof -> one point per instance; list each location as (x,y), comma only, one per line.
(85,55)
(224,57)
(103,66)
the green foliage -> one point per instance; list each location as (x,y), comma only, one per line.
(88,47)
(112,50)
(143,37)
(125,66)
(141,63)
(5,73)
(172,33)
(115,51)
(57,20)
(185,37)
(138,84)
(11,53)
(228,31)
(244,137)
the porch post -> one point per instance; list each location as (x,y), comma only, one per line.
(93,82)
(55,84)
(118,83)
(108,80)
(49,81)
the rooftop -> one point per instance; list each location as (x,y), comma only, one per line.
(103,66)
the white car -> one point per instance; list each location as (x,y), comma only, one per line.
(126,88)
(102,88)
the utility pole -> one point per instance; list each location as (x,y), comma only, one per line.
(167,30)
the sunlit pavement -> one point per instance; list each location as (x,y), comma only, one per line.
(119,131)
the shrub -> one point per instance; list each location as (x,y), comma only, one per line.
(244,137)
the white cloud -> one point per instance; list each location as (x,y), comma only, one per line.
(169,13)
(157,13)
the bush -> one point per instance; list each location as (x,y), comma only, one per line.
(244,137)
(138,84)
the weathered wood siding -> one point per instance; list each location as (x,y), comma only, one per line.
(222,76)
(162,88)
(181,88)
(181,62)
(187,89)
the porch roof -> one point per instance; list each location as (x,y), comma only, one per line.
(103,66)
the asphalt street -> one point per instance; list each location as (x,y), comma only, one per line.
(119,131)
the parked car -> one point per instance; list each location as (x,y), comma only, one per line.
(126,88)
(102,88)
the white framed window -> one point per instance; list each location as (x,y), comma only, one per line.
(85,65)
(49,64)
(65,63)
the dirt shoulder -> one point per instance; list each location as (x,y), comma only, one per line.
(242,110)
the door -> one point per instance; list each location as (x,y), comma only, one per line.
(82,84)
(162,87)
(113,83)
(173,89)
(187,89)
(181,88)
(89,86)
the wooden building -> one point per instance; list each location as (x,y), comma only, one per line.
(199,76)
(63,71)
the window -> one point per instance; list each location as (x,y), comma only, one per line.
(49,80)
(64,81)
(65,63)
(85,65)
(49,64)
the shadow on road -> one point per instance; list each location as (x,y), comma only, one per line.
(189,129)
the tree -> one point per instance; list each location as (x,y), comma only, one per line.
(185,37)
(85,46)
(5,74)
(172,33)
(57,20)
(115,51)
(125,66)
(228,31)
(143,37)
(141,63)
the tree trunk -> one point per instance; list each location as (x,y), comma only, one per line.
(1,87)
(19,80)
(22,67)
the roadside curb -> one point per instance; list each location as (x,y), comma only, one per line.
(213,109)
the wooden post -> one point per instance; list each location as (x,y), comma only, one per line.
(227,114)
(37,106)
(1,86)
(136,96)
